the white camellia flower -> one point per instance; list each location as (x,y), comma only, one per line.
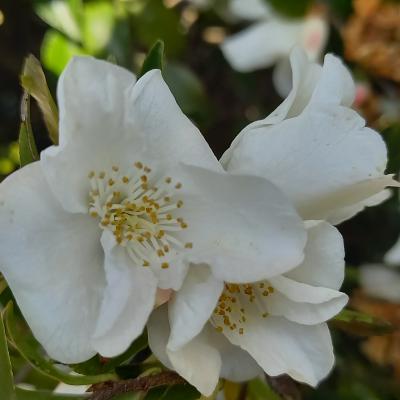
(130,196)
(270,40)
(319,152)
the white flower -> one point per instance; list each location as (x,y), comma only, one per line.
(128,199)
(270,39)
(314,147)
(215,329)
(318,151)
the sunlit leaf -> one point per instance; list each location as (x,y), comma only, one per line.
(154,59)
(6,377)
(361,324)
(34,82)
(57,50)
(27,146)
(98,25)
(24,394)
(59,15)
(29,348)
(259,390)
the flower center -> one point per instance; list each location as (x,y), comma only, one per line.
(140,210)
(237,303)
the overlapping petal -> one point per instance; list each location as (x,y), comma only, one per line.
(118,122)
(53,262)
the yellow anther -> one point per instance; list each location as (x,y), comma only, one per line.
(91,175)
(94,214)
(167,199)
(145,263)
(125,179)
(219,329)
(160,253)
(115,168)
(138,165)
(179,204)
(271,289)
(178,185)
(147,170)
(168,180)
(188,245)
(166,248)
(241,331)
(111,182)
(164,265)
(143,178)
(102,175)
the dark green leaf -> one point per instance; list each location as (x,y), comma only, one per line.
(291,8)
(34,82)
(27,147)
(154,59)
(361,324)
(98,365)
(7,390)
(22,339)
(176,392)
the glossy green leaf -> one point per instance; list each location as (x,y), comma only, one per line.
(187,90)
(24,394)
(7,390)
(361,324)
(60,16)
(154,59)
(259,390)
(57,50)
(98,365)
(23,340)
(34,82)
(291,8)
(27,147)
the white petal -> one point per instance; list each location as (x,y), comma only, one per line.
(193,305)
(392,257)
(158,333)
(304,304)
(301,156)
(53,262)
(282,347)
(346,213)
(323,263)
(261,45)
(199,362)
(314,36)
(381,282)
(127,303)
(237,364)
(250,9)
(305,76)
(106,119)
(282,77)
(243,227)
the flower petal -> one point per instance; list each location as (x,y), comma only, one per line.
(261,45)
(198,361)
(283,347)
(193,305)
(244,229)
(106,119)
(380,282)
(392,257)
(323,263)
(250,9)
(312,177)
(128,300)
(53,263)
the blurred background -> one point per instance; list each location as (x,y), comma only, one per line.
(221,97)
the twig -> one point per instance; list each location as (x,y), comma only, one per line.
(108,390)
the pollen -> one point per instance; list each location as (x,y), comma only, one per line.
(141,209)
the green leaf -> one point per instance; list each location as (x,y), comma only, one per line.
(60,16)
(361,324)
(97,365)
(7,390)
(98,25)
(259,390)
(291,8)
(154,59)
(27,146)
(23,340)
(187,90)
(34,82)
(57,50)
(24,394)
